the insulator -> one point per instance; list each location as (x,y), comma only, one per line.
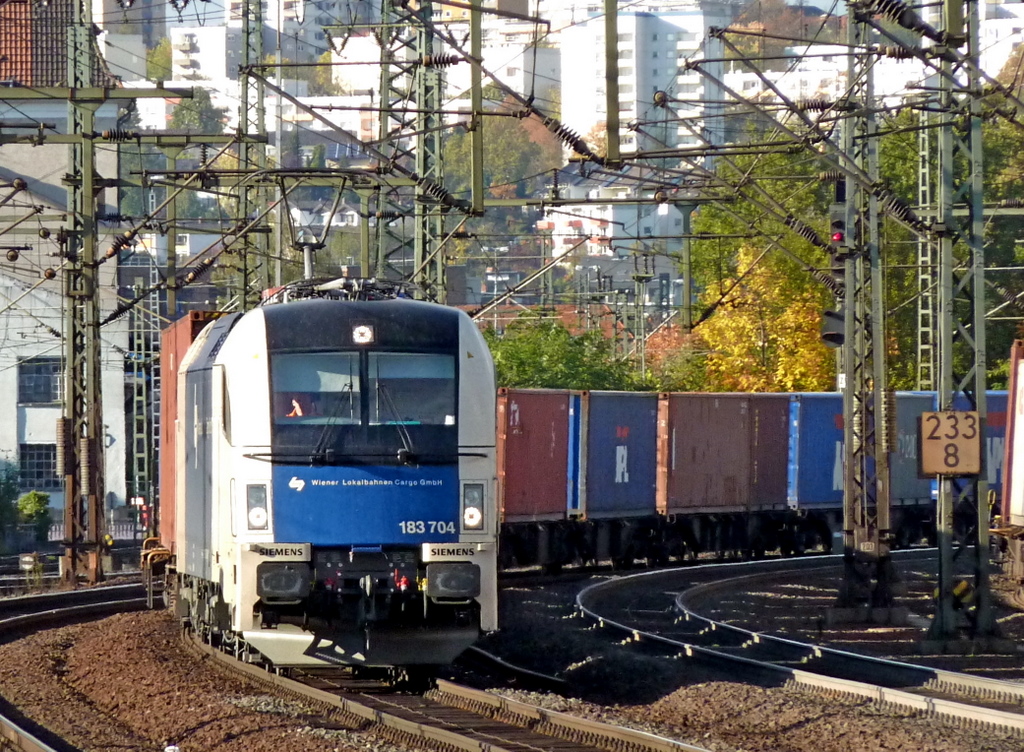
(49,273)
(660,196)
(112,217)
(44,233)
(889,421)
(120,242)
(567,136)
(803,231)
(119,134)
(660,98)
(63,450)
(1011,203)
(433,190)
(897,53)
(815,105)
(891,9)
(443,60)
(204,153)
(19,185)
(118,312)
(388,216)
(202,268)
(85,465)
(831,176)
(12,254)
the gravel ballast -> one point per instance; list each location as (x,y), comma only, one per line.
(127,683)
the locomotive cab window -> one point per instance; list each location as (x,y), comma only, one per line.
(364,407)
(316,388)
(412,389)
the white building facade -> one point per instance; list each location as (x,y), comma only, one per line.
(653,49)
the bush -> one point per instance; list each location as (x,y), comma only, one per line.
(34,510)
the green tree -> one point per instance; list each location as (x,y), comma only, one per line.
(8,496)
(34,510)
(765,336)
(198,114)
(158,61)
(514,149)
(317,75)
(762,305)
(543,354)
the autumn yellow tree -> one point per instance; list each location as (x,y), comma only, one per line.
(761,341)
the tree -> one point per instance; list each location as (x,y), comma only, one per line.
(8,495)
(34,510)
(676,361)
(535,353)
(198,114)
(514,149)
(317,76)
(763,339)
(762,304)
(158,61)
(770,27)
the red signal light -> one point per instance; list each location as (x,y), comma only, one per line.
(838,236)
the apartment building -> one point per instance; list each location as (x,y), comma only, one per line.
(653,49)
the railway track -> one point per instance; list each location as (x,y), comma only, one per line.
(654,610)
(32,612)
(449,717)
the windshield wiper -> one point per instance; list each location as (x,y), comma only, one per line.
(405,454)
(320,451)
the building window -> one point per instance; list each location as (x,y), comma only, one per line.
(38,467)
(625,37)
(39,381)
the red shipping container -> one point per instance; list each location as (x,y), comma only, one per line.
(722,452)
(174,343)
(533,454)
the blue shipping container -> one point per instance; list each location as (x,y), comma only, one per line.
(621,454)
(906,484)
(815,470)
(995,436)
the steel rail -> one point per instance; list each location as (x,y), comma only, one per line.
(987,688)
(908,674)
(36,611)
(497,711)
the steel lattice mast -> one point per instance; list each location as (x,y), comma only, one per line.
(868,573)
(252,156)
(80,430)
(961,278)
(430,213)
(411,90)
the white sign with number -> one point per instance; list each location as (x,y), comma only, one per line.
(950,443)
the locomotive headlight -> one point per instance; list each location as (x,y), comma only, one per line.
(473,506)
(256,505)
(362,334)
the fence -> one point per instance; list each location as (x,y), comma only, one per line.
(121,531)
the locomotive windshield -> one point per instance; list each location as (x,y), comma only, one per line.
(363,407)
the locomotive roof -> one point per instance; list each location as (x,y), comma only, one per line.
(328,324)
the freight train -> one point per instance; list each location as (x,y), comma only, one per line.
(638,476)
(328,479)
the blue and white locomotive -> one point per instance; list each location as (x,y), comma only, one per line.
(335,499)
